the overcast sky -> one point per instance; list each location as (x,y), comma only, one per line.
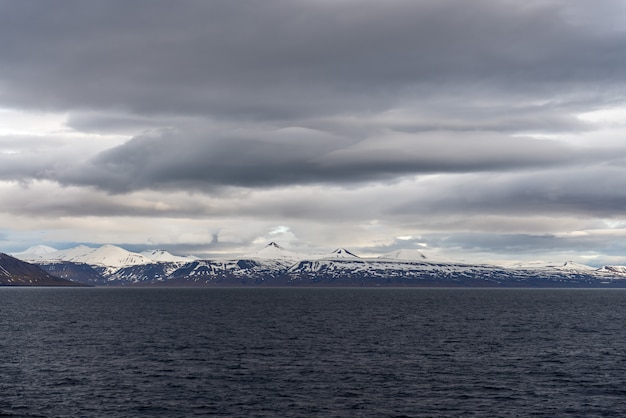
(483,130)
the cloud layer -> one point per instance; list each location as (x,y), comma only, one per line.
(336,122)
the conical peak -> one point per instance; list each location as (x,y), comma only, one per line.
(342,252)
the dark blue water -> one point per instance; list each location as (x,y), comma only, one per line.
(312,352)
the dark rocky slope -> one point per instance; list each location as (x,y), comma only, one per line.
(14,272)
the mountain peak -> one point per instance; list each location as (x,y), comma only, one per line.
(343,253)
(273,251)
(41,249)
(36,252)
(163,256)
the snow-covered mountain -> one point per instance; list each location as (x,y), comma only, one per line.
(273,251)
(164,256)
(274,265)
(611,270)
(348,269)
(109,257)
(542,265)
(38,252)
(341,253)
(265,265)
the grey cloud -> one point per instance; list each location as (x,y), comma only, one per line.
(242,101)
(415,243)
(487,114)
(595,190)
(511,243)
(110,123)
(75,204)
(174,160)
(15,165)
(538,246)
(468,243)
(25,158)
(289,59)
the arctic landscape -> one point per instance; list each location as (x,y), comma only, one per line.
(274,265)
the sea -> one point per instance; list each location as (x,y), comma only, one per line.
(312,352)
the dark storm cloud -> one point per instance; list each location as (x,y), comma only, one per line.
(287,59)
(174,160)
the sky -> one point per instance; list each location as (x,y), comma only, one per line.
(483,130)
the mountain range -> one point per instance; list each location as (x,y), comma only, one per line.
(275,266)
